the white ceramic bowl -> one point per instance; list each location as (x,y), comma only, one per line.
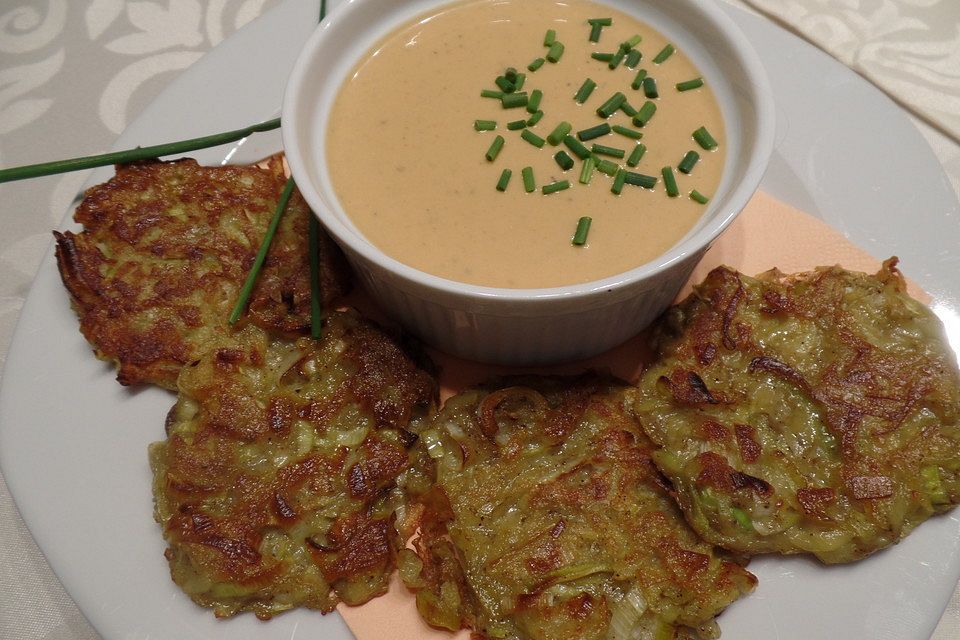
(530,326)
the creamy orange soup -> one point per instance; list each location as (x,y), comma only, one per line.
(411,171)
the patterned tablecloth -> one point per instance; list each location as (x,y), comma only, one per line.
(73,73)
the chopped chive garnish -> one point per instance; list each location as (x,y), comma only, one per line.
(586,172)
(628,109)
(617,58)
(518,83)
(636,155)
(603,22)
(577,147)
(606,166)
(638,81)
(626,131)
(564,160)
(641,180)
(553,187)
(495,148)
(594,132)
(633,41)
(633,58)
(505,85)
(514,100)
(533,103)
(555,52)
(517,124)
(665,53)
(645,113)
(529,184)
(704,139)
(650,87)
(612,105)
(549,38)
(535,118)
(532,138)
(510,74)
(595,30)
(484,125)
(618,181)
(602,57)
(696,196)
(583,228)
(689,160)
(261,256)
(490,93)
(670,182)
(585,90)
(504,180)
(687,85)
(559,133)
(607,151)
(536,64)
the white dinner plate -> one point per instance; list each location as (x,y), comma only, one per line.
(73,443)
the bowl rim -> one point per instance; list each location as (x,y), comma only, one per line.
(738,195)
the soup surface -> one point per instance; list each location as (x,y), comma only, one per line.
(411,170)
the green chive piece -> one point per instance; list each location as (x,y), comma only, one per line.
(549,38)
(617,58)
(564,160)
(532,138)
(665,53)
(594,132)
(595,30)
(553,187)
(258,261)
(604,150)
(633,58)
(529,184)
(505,85)
(586,172)
(559,132)
(510,74)
(606,166)
(650,87)
(585,90)
(484,125)
(313,244)
(515,100)
(689,160)
(618,181)
(696,196)
(612,105)
(577,147)
(638,81)
(504,180)
(602,57)
(670,182)
(517,124)
(645,113)
(628,109)
(535,118)
(495,148)
(641,180)
(518,83)
(626,131)
(490,93)
(536,64)
(533,103)
(687,85)
(704,139)
(131,155)
(636,155)
(603,22)
(555,52)
(583,228)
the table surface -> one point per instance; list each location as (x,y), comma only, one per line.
(73,74)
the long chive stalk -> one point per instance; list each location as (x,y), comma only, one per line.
(132,155)
(262,253)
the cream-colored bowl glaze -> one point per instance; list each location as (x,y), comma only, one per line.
(543,325)
(410,170)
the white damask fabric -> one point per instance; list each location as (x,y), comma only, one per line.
(73,73)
